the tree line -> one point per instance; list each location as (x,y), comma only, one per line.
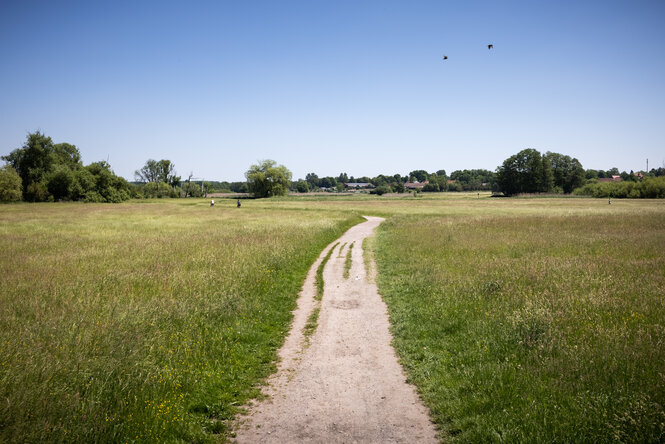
(42,170)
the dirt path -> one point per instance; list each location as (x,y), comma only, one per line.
(345,386)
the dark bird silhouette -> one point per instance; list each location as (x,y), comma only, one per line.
(445,57)
(490,46)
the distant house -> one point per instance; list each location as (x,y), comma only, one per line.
(610,179)
(452,181)
(358,185)
(415,185)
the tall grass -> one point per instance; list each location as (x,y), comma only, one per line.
(145,322)
(542,322)
(518,319)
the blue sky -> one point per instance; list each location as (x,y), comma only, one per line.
(336,86)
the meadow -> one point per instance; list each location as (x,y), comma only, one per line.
(145,321)
(542,321)
(522,319)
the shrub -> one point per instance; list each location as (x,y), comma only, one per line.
(36,192)
(93,197)
(650,188)
(381,190)
(11,189)
(59,182)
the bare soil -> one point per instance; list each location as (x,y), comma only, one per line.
(345,383)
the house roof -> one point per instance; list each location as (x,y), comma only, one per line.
(415,185)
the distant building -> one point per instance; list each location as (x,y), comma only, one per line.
(415,185)
(610,179)
(358,185)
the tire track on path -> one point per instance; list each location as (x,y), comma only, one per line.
(346,385)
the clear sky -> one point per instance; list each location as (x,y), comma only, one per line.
(336,86)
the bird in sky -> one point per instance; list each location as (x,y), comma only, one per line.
(490,46)
(445,57)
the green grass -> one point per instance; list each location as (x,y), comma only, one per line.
(319,282)
(368,258)
(522,320)
(312,320)
(341,249)
(542,321)
(348,261)
(148,321)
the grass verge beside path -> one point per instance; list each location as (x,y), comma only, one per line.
(535,326)
(145,322)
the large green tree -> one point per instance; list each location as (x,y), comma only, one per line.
(267,179)
(32,162)
(53,171)
(567,172)
(419,175)
(525,172)
(158,171)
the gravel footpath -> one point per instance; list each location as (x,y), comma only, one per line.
(345,385)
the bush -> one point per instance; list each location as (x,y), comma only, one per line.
(432,187)
(93,197)
(11,188)
(649,188)
(36,192)
(59,182)
(380,190)
(161,190)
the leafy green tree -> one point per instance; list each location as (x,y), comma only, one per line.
(567,172)
(158,171)
(110,187)
(473,179)
(32,161)
(441,181)
(238,187)
(525,172)
(36,192)
(11,189)
(148,173)
(59,182)
(267,179)
(84,182)
(191,189)
(657,172)
(51,171)
(301,186)
(419,175)
(343,177)
(66,154)
(431,187)
(327,182)
(380,190)
(313,181)
(591,174)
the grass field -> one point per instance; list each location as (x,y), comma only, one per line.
(145,321)
(538,321)
(519,320)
